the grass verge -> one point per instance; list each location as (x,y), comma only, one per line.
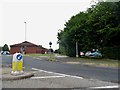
(98,62)
(38,55)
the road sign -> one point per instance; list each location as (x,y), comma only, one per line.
(19,57)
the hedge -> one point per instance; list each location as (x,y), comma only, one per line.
(112,52)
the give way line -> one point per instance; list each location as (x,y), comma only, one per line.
(65,75)
(60,74)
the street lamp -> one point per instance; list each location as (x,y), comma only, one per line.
(25,36)
(25,29)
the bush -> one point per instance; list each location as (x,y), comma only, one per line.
(5,48)
(112,52)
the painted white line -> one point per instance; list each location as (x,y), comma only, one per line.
(46,77)
(37,58)
(103,87)
(35,69)
(60,74)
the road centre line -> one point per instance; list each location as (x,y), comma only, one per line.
(105,87)
(60,74)
(46,77)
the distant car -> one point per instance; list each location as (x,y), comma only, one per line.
(93,54)
(5,52)
(81,53)
(88,53)
(96,54)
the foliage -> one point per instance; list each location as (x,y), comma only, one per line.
(97,27)
(5,48)
(112,52)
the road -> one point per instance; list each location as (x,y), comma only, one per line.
(102,76)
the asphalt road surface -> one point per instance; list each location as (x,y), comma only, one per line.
(61,75)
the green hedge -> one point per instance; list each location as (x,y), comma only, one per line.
(111,52)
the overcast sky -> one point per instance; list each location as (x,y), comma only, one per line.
(44,18)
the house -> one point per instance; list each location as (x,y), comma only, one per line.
(27,48)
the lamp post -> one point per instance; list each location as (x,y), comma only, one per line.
(25,29)
(25,36)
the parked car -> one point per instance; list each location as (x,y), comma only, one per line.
(93,54)
(96,54)
(88,53)
(5,52)
(82,54)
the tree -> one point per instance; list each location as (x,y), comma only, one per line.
(5,48)
(98,27)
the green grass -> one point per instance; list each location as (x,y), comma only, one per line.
(39,55)
(99,62)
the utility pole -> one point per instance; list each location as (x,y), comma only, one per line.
(76,49)
(76,40)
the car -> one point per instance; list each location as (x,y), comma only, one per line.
(96,54)
(88,53)
(93,54)
(5,52)
(81,53)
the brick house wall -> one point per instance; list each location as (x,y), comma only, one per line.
(30,48)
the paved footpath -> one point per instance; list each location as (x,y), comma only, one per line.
(5,71)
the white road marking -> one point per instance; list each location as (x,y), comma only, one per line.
(35,69)
(46,77)
(37,58)
(65,75)
(103,87)
(60,74)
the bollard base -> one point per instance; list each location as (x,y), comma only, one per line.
(15,73)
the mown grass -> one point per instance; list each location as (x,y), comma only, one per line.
(98,62)
(39,55)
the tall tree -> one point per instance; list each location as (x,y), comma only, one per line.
(98,27)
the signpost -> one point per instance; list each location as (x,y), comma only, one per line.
(50,43)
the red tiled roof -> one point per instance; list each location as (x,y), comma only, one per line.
(25,43)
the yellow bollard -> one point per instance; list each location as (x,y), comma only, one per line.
(14,64)
(17,64)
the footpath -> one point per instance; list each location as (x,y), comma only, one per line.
(5,73)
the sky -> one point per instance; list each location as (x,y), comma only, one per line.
(43,20)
